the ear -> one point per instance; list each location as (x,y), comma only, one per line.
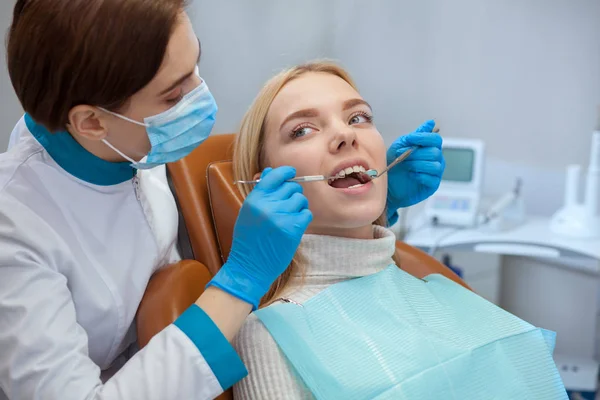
(256,176)
(88,122)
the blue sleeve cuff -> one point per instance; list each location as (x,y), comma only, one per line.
(212,344)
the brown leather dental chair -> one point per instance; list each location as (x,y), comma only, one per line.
(209,204)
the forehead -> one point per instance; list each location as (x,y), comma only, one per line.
(180,52)
(182,39)
(311,90)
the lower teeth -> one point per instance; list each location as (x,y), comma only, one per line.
(355,186)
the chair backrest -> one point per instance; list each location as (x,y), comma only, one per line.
(189,180)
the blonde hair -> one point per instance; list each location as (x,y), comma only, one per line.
(249,153)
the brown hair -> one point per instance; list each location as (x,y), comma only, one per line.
(249,156)
(63,53)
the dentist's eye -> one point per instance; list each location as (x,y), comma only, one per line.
(360,118)
(300,131)
(175,99)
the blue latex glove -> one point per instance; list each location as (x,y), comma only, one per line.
(420,175)
(266,235)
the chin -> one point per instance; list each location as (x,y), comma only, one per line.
(336,213)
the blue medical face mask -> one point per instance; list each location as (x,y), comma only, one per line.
(176,132)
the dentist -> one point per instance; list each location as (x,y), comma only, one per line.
(111,93)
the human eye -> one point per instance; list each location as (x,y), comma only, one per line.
(175,97)
(360,117)
(300,131)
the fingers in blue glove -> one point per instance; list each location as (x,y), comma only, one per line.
(265,172)
(422,139)
(426,180)
(266,235)
(424,154)
(273,178)
(287,190)
(434,168)
(295,204)
(426,126)
(304,219)
(426,151)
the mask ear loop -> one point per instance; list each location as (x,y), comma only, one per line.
(119,152)
(133,121)
(106,142)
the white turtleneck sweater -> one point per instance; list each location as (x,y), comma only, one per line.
(327,260)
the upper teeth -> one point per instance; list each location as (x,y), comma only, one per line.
(348,171)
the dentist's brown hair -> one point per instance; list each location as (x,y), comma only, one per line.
(64,53)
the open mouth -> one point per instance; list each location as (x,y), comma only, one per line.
(350,177)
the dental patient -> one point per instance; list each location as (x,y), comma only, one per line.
(344,321)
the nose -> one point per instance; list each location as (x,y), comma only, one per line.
(344,139)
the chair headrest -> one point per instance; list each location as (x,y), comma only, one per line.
(226,201)
(189,181)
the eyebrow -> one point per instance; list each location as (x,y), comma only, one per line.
(186,76)
(313,112)
(307,113)
(348,104)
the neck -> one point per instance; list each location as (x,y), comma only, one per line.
(363,232)
(334,256)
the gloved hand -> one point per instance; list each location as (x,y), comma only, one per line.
(266,235)
(420,175)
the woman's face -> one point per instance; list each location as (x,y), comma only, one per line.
(174,79)
(320,125)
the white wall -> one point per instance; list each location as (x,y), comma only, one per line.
(245,43)
(523,75)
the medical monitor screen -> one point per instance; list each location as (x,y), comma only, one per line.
(459,164)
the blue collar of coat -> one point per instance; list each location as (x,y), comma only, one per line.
(76,160)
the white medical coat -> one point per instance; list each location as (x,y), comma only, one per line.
(79,240)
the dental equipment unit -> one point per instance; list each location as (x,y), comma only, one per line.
(575,218)
(503,203)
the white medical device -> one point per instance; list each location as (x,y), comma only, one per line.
(581,219)
(456,202)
